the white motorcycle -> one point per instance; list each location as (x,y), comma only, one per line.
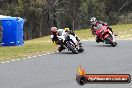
(68,41)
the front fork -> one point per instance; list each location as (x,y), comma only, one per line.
(112,35)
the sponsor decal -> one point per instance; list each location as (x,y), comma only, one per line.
(82,78)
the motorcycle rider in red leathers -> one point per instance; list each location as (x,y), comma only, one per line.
(94,24)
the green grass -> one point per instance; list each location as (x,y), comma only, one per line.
(44,44)
(85,34)
(30,48)
(124,31)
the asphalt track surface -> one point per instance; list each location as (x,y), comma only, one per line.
(59,70)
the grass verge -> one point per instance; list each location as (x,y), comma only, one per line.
(30,48)
(44,44)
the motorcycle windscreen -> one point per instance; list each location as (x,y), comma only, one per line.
(99,27)
(61,32)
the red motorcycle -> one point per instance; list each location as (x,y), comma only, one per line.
(105,35)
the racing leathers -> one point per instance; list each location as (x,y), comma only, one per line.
(95,25)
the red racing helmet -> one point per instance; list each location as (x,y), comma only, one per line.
(53,30)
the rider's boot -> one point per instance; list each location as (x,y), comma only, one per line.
(60,48)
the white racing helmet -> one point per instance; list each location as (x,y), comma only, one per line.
(93,20)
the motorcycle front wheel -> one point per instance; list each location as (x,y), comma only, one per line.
(111,42)
(81,50)
(71,48)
